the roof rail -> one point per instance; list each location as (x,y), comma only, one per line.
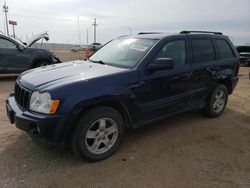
(207,32)
(143,33)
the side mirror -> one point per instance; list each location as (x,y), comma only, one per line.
(161,64)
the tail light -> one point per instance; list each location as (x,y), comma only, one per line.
(237,67)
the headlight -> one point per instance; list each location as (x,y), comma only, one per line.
(41,102)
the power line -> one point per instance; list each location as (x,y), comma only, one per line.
(75,21)
(49,18)
(78,20)
(130,29)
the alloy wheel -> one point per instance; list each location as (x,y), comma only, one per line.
(101,135)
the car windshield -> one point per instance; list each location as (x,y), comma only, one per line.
(123,52)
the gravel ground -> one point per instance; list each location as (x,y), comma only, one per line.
(186,150)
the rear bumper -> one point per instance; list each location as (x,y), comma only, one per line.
(234,82)
(42,128)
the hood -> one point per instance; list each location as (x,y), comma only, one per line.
(36,38)
(64,73)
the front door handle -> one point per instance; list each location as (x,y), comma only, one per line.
(138,84)
(184,76)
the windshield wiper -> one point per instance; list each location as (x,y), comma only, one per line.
(100,62)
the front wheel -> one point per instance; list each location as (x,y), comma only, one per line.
(98,134)
(41,64)
(216,102)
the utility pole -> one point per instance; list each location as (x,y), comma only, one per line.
(87,32)
(5,10)
(95,25)
(78,28)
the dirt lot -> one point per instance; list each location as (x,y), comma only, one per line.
(187,150)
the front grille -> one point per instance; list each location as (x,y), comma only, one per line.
(22,96)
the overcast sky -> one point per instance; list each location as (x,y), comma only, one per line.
(116,18)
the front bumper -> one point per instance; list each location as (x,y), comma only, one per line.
(244,60)
(41,127)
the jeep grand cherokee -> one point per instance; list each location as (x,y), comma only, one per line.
(129,82)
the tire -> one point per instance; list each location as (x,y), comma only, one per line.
(217,101)
(41,64)
(98,134)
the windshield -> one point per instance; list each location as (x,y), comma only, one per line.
(123,52)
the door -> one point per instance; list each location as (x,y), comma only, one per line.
(164,92)
(12,59)
(204,65)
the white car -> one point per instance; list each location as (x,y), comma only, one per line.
(77,48)
(95,46)
(244,52)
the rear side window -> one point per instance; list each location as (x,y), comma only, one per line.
(224,49)
(202,50)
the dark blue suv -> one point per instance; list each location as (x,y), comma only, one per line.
(129,82)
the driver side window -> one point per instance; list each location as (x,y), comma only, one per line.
(6,43)
(175,50)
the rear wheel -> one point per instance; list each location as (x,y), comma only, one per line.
(217,101)
(98,134)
